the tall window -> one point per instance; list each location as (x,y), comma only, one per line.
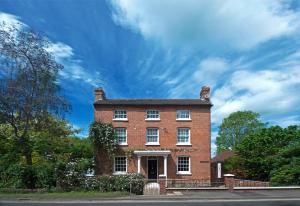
(152,136)
(121,135)
(183,136)
(120,165)
(183,165)
(183,114)
(152,114)
(120,114)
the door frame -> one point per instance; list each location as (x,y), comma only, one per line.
(152,158)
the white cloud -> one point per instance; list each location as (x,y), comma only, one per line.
(64,54)
(235,24)
(266,92)
(209,70)
(10,20)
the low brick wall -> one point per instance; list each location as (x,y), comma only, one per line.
(249,183)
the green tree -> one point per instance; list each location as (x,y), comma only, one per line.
(28,87)
(236,127)
(260,151)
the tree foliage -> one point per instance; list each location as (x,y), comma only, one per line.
(103,137)
(236,127)
(268,152)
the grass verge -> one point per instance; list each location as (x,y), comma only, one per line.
(62,195)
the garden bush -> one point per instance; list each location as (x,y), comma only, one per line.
(129,182)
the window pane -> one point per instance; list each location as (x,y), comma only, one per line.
(183,114)
(120,114)
(183,135)
(152,114)
(121,135)
(120,164)
(183,164)
(152,135)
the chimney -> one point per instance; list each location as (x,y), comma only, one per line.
(99,94)
(204,93)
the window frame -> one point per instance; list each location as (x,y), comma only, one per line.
(123,143)
(189,137)
(119,119)
(152,119)
(152,143)
(185,118)
(120,172)
(177,165)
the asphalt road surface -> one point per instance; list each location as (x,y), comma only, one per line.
(245,202)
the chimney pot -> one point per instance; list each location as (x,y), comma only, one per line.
(204,93)
(99,94)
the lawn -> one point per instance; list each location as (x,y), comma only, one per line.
(62,195)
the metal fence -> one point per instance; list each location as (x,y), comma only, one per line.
(193,183)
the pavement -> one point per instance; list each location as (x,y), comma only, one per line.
(209,198)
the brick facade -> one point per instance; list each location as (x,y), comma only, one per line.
(136,125)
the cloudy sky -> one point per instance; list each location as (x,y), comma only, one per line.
(248,52)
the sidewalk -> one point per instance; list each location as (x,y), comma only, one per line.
(181,196)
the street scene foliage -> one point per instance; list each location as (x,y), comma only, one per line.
(265,153)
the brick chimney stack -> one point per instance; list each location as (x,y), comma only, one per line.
(204,93)
(99,94)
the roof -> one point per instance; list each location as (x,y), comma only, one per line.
(222,156)
(150,102)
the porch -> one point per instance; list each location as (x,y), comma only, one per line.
(151,160)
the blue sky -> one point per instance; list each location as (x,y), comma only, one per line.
(248,52)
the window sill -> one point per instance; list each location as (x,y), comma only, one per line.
(184,120)
(123,144)
(120,120)
(183,173)
(119,173)
(152,120)
(183,144)
(152,144)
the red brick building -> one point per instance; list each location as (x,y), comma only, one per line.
(157,137)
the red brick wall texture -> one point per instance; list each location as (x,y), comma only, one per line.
(199,151)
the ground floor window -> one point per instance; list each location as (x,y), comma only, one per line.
(183,165)
(120,165)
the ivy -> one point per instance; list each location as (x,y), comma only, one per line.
(103,137)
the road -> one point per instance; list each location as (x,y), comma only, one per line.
(244,202)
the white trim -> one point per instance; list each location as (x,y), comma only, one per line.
(119,172)
(152,152)
(184,172)
(156,166)
(121,119)
(152,119)
(124,143)
(183,143)
(152,143)
(183,119)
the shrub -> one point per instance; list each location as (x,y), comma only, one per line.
(133,182)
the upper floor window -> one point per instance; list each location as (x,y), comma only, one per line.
(121,134)
(152,136)
(183,114)
(152,114)
(183,165)
(183,136)
(120,114)
(120,165)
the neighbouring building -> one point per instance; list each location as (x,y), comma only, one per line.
(217,165)
(167,138)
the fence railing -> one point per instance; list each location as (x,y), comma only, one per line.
(250,183)
(192,183)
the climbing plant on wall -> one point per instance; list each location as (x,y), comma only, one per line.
(103,137)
